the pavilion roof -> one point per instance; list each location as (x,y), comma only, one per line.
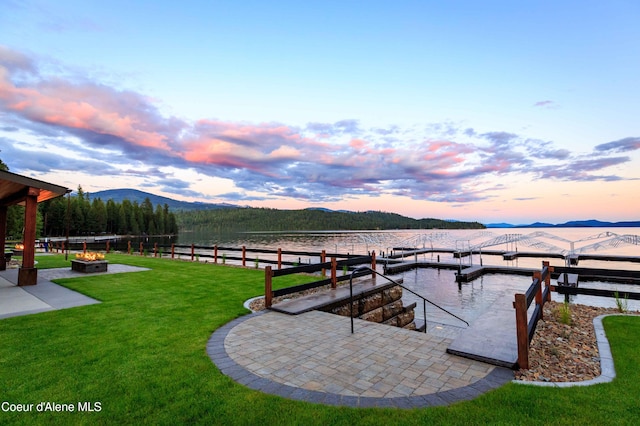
(14,188)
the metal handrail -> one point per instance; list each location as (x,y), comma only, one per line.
(424,299)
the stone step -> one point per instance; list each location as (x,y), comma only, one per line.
(326,300)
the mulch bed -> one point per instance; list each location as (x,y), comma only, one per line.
(562,352)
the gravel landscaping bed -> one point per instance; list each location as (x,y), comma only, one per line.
(562,352)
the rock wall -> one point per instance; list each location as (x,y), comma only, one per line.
(383,307)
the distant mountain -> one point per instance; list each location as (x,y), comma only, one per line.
(539,225)
(118,195)
(571,224)
(500,225)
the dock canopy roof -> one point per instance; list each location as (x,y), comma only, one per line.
(15,188)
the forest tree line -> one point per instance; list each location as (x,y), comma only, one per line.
(94,216)
(264,219)
(83,216)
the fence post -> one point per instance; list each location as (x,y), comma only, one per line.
(547,279)
(84,247)
(141,247)
(192,251)
(373,264)
(521,330)
(268,294)
(129,247)
(108,246)
(244,257)
(173,250)
(215,254)
(334,273)
(155,249)
(323,258)
(279,258)
(538,276)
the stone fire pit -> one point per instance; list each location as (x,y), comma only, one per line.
(89,263)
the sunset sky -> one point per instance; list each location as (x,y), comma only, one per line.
(495,111)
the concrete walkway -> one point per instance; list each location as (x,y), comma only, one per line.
(46,295)
(314,357)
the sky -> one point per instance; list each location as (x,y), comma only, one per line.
(492,111)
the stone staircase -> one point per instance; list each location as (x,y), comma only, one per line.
(373,301)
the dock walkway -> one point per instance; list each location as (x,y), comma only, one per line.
(491,338)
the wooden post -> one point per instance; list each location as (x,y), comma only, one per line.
(108,248)
(538,276)
(323,258)
(522,330)
(244,256)
(279,258)
(193,250)
(28,274)
(334,273)
(128,247)
(547,280)
(84,247)
(3,236)
(268,294)
(215,254)
(141,248)
(373,264)
(155,249)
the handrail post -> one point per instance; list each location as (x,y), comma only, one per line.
(268,294)
(522,334)
(424,310)
(362,268)
(323,258)
(279,258)
(84,247)
(192,251)
(244,256)
(173,250)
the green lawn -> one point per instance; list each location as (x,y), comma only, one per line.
(141,355)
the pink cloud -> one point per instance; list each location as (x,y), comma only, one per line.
(91,107)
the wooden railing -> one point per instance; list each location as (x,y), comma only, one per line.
(525,328)
(332,265)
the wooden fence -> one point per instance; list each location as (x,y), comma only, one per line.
(333,265)
(525,327)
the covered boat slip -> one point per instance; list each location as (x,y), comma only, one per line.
(21,190)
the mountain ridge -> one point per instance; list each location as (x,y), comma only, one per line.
(132,195)
(590,223)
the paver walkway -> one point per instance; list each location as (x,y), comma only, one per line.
(314,357)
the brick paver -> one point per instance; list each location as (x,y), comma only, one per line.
(314,357)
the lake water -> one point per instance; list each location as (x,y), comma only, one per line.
(467,300)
